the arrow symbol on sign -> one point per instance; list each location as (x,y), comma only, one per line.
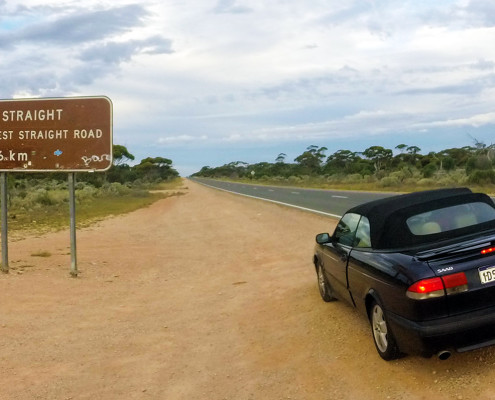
(58,153)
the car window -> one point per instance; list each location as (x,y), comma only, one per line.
(363,234)
(346,229)
(450,218)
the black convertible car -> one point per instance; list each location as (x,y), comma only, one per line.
(420,266)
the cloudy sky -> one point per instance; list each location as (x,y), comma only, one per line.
(206,82)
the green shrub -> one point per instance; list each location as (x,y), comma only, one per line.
(482,177)
(456,178)
(87,192)
(352,178)
(399,175)
(425,182)
(294,179)
(389,181)
(115,189)
(429,170)
(42,196)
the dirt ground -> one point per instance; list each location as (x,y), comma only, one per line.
(203,296)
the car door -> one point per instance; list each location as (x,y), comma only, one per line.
(335,254)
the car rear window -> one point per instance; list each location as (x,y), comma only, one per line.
(450,218)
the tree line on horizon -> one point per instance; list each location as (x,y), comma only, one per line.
(40,199)
(376,164)
(148,170)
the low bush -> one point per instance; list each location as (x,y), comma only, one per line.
(482,177)
(43,205)
(353,178)
(389,181)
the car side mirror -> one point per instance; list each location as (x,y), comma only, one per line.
(323,238)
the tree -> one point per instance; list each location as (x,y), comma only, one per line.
(460,156)
(121,155)
(413,150)
(206,171)
(281,158)
(120,171)
(311,159)
(448,163)
(156,168)
(379,156)
(401,147)
(429,170)
(483,150)
(341,160)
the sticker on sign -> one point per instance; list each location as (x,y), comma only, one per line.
(71,134)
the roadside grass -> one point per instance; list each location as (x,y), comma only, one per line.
(174,184)
(50,212)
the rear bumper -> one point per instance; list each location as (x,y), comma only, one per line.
(461,332)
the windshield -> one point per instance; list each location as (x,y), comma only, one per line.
(450,218)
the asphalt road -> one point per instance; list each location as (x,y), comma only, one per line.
(333,203)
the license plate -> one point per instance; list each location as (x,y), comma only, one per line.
(487,274)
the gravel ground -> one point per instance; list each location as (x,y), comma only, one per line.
(202,296)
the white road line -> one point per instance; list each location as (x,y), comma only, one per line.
(340,197)
(295,192)
(273,201)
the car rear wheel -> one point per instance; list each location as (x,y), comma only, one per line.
(384,340)
(323,285)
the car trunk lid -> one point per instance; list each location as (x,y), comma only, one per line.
(476,260)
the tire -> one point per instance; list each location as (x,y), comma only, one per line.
(323,285)
(384,340)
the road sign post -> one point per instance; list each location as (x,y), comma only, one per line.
(72,134)
(72,211)
(5,247)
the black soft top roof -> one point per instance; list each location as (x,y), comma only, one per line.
(388,216)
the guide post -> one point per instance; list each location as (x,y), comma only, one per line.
(71,134)
(72,211)
(5,248)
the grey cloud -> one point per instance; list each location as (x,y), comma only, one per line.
(340,82)
(85,39)
(481,12)
(471,87)
(34,82)
(117,52)
(156,45)
(82,26)
(475,13)
(230,7)
(483,65)
(360,15)
(350,13)
(347,82)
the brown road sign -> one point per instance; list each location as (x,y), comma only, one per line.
(69,134)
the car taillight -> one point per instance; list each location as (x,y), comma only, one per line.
(426,289)
(438,287)
(455,283)
(487,251)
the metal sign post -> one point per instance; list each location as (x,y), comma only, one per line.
(5,242)
(72,210)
